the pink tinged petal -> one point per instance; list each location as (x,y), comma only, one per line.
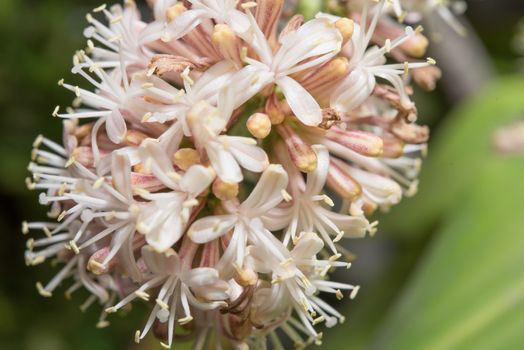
(257,40)
(201,276)
(365,143)
(164,235)
(218,291)
(245,84)
(208,85)
(246,152)
(352,226)
(197,179)
(160,263)
(380,189)
(303,105)
(211,227)
(151,153)
(170,139)
(316,38)
(152,32)
(184,23)
(121,174)
(116,126)
(353,91)
(223,163)
(257,259)
(277,218)
(267,193)
(317,179)
(307,246)
(238,21)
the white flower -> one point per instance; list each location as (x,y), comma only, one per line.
(182,287)
(174,104)
(152,191)
(120,45)
(245,223)
(113,103)
(221,11)
(314,43)
(163,219)
(226,153)
(306,214)
(295,282)
(366,65)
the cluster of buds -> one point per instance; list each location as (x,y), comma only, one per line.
(195,175)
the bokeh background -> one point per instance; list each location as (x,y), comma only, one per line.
(445,271)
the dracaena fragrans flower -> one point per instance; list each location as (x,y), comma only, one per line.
(219,159)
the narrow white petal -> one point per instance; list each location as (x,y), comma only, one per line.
(303,105)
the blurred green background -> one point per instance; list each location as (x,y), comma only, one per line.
(446,270)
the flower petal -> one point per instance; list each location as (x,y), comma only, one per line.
(197,179)
(317,179)
(116,126)
(223,163)
(307,246)
(303,105)
(246,152)
(121,174)
(267,193)
(211,227)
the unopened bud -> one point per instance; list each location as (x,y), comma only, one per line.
(415,46)
(184,158)
(225,190)
(411,133)
(274,110)
(329,73)
(345,26)
(267,14)
(301,153)
(259,125)
(175,11)
(393,146)
(342,184)
(225,41)
(365,143)
(134,138)
(426,77)
(96,262)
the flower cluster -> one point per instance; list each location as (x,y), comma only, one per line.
(196,172)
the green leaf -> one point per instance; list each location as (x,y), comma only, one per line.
(468,291)
(457,151)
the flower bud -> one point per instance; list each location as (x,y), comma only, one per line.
(259,125)
(245,276)
(134,138)
(267,14)
(302,155)
(184,158)
(415,46)
(175,11)
(327,74)
(343,184)
(426,77)
(365,143)
(345,26)
(225,190)
(274,110)
(225,41)
(393,146)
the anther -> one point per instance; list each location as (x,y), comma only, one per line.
(42,291)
